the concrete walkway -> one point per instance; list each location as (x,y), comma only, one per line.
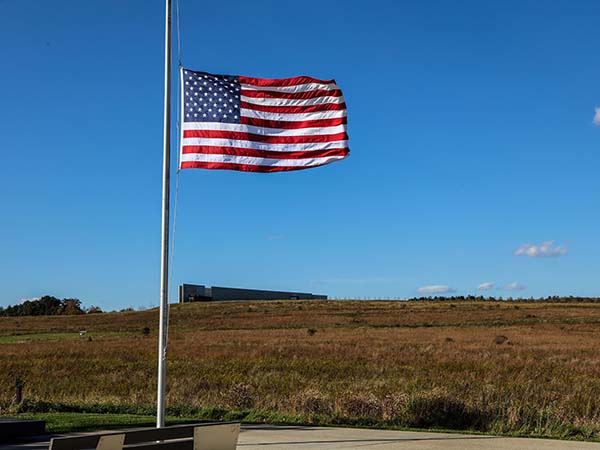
(308,438)
(267,437)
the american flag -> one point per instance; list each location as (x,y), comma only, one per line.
(259,124)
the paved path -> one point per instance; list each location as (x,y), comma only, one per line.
(267,437)
(308,438)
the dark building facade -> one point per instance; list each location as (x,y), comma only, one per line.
(201,293)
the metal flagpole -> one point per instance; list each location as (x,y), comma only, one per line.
(164,248)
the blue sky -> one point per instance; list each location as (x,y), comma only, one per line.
(471,134)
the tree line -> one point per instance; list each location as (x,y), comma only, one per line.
(48,306)
(480,298)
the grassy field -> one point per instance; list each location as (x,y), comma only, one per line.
(528,368)
(72,422)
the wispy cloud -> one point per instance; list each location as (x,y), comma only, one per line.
(544,250)
(435,289)
(515,286)
(357,280)
(276,237)
(596,120)
(485,286)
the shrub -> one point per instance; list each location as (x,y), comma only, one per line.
(436,408)
(393,407)
(240,396)
(312,402)
(500,339)
(361,406)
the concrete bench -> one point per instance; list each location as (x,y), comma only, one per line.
(201,436)
(20,428)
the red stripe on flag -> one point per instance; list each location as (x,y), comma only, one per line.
(291,95)
(208,150)
(271,139)
(242,167)
(294,109)
(282,81)
(292,125)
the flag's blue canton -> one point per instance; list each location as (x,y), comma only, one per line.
(210,98)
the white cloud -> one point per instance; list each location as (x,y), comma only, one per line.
(32,299)
(485,286)
(435,289)
(544,250)
(515,286)
(596,120)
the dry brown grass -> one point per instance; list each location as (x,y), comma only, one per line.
(526,367)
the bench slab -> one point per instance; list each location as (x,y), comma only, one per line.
(16,428)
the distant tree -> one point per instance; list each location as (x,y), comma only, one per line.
(72,306)
(49,305)
(44,306)
(94,310)
(471,298)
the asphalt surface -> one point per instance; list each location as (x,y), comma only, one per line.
(267,437)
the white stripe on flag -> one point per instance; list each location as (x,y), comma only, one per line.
(319,115)
(263,130)
(292,89)
(293,102)
(251,160)
(213,142)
